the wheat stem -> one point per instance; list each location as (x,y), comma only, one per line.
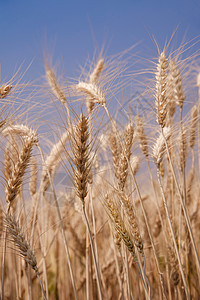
(61,226)
(173,235)
(183,207)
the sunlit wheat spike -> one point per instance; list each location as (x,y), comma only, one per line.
(134,163)
(93,91)
(171,109)
(53,159)
(161,81)
(122,171)
(4,90)
(159,147)
(23,130)
(177,84)
(142,136)
(115,147)
(33,179)
(97,71)
(55,87)
(193,127)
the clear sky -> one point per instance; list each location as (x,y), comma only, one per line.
(71,30)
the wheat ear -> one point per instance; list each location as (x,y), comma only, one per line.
(14,178)
(161,82)
(93,91)
(23,130)
(97,71)
(53,83)
(33,179)
(93,79)
(170,95)
(4,90)
(125,157)
(23,246)
(129,210)
(115,147)
(53,160)
(160,147)
(142,136)
(177,84)
(193,128)
(120,228)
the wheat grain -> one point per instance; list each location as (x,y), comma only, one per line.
(4,90)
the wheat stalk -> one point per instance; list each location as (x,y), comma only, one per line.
(81,171)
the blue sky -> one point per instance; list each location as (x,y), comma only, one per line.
(71,30)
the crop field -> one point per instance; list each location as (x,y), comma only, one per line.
(100,187)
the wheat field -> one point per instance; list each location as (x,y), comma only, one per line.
(100,195)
